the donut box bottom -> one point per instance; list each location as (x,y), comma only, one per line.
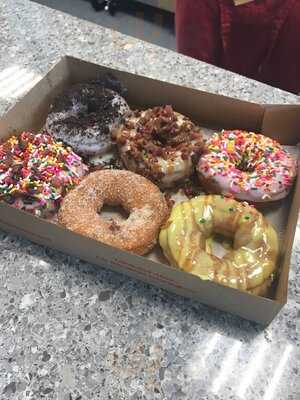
(208,110)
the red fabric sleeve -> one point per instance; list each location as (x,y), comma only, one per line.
(282,67)
(198,29)
(259,39)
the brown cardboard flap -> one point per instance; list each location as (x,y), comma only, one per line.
(246,305)
(287,246)
(37,100)
(282,123)
(208,109)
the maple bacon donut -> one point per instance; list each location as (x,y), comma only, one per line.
(248,166)
(159,144)
(143,201)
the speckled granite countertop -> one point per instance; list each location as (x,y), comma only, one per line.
(70,331)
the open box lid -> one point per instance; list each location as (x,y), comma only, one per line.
(202,107)
(285,118)
(282,118)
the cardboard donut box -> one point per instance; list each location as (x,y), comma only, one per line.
(206,109)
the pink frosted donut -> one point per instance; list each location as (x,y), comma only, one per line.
(248,166)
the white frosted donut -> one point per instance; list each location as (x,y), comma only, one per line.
(84,117)
(160,144)
(248,166)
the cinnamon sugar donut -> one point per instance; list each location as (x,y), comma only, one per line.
(143,201)
(160,144)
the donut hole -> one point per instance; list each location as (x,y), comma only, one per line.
(113,213)
(245,165)
(161,138)
(92,107)
(245,168)
(220,245)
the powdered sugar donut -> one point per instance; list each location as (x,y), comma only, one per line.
(84,117)
(248,166)
(160,144)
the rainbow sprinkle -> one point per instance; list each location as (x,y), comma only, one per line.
(251,162)
(36,172)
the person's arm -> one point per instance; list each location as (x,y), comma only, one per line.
(198,29)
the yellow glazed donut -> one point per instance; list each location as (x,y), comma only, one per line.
(192,223)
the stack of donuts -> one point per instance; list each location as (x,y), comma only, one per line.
(95,151)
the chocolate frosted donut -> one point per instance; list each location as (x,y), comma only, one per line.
(84,116)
